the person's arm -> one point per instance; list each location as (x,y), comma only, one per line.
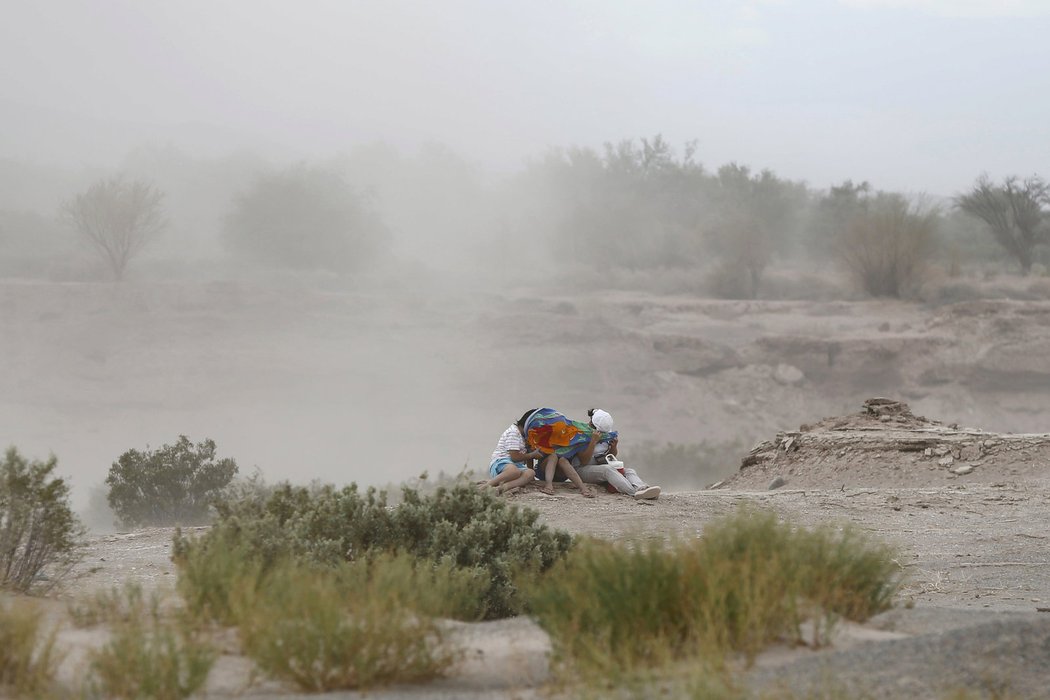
(588,452)
(522,455)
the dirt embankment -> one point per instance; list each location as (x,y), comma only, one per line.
(886,445)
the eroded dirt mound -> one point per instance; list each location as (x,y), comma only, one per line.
(886,445)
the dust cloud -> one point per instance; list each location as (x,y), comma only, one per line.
(389,229)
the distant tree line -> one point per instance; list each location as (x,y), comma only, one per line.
(635,205)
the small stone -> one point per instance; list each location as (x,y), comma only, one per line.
(963,469)
(946,461)
(776,483)
(928,452)
(988,444)
(885,419)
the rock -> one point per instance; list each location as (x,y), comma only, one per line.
(963,469)
(970,453)
(940,451)
(928,452)
(786,374)
(946,461)
(776,483)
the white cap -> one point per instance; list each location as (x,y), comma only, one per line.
(602,420)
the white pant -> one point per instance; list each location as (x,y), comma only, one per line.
(629,482)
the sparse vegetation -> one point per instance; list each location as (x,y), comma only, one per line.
(28,656)
(150,656)
(174,484)
(38,530)
(747,582)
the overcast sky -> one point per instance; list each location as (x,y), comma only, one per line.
(920,95)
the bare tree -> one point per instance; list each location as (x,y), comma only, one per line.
(1013,212)
(118,217)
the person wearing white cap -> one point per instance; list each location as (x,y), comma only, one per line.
(598,463)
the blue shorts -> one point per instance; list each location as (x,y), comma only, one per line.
(498,465)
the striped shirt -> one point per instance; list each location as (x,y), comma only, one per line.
(511,439)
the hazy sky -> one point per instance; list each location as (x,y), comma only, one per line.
(919,95)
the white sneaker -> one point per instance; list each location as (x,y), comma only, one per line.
(648,493)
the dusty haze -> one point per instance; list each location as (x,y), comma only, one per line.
(554,193)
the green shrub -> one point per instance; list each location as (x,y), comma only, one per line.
(38,529)
(27,651)
(149,656)
(749,581)
(356,625)
(175,484)
(459,526)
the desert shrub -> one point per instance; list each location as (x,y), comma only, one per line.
(38,529)
(174,484)
(355,625)
(749,581)
(27,651)
(459,526)
(149,656)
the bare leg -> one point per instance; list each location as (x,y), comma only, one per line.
(524,477)
(549,465)
(567,469)
(509,473)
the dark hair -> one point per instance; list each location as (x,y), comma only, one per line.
(525,417)
(590,412)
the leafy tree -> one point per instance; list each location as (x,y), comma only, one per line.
(1015,213)
(118,217)
(304,218)
(174,484)
(37,526)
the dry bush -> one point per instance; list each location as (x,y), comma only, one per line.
(355,626)
(38,529)
(28,658)
(613,610)
(885,244)
(149,656)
